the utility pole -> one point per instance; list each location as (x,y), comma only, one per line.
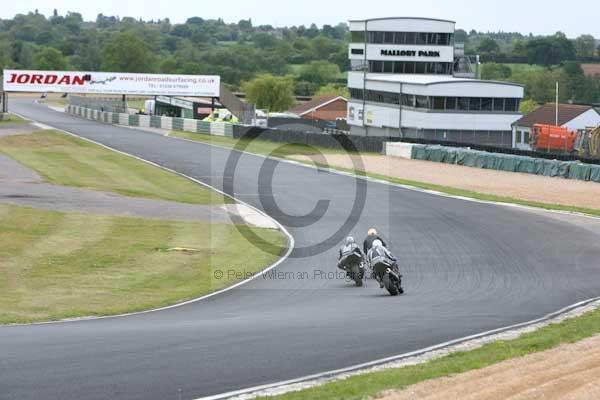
(556,111)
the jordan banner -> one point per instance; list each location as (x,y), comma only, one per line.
(111,83)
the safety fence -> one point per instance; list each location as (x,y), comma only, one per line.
(373,144)
(496,161)
(154,121)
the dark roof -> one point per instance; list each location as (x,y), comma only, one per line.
(315,104)
(546,114)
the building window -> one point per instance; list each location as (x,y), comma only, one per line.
(400,38)
(526,139)
(498,104)
(439,103)
(511,105)
(463,103)
(432,38)
(376,37)
(422,38)
(518,138)
(408,100)
(388,67)
(487,104)
(398,67)
(358,36)
(408,38)
(450,103)
(422,102)
(388,37)
(376,66)
(410,67)
(475,104)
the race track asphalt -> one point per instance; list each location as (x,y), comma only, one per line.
(468,267)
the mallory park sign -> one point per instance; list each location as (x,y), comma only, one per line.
(410,53)
(111,83)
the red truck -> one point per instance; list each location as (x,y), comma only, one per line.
(553,139)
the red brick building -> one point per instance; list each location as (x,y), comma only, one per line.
(324,108)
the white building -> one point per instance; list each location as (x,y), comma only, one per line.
(571,116)
(408,79)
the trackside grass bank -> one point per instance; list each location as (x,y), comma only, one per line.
(13,119)
(464,193)
(371,385)
(65,160)
(60,265)
(257,146)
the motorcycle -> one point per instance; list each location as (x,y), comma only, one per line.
(354,267)
(390,277)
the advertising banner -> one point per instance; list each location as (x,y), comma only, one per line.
(111,83)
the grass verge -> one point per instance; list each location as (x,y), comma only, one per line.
(372,384)
(13,119)
(263,147)
(65,160)
(60,265)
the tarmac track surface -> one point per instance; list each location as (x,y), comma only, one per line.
(468,267)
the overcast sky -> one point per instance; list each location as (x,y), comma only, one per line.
(574,17)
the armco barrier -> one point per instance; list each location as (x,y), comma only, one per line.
(154,121)
(500,162)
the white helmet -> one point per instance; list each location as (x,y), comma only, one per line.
(372,232)
(377,243)
(350,240)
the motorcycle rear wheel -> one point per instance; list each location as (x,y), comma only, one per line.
(356,275)
(390,285)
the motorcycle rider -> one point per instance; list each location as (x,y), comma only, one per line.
(372,235)
(350,247)
(380,254)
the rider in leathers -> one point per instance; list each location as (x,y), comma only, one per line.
(350,247)
(379,254)
(372,235)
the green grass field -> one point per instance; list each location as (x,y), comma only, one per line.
(525,68)
(136,104)
(372,384)
(60,265)
(64,160)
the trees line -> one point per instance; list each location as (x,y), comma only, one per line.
(310,59)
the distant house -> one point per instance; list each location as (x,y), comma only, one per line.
(324,108)
(591,70)
(570,116)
